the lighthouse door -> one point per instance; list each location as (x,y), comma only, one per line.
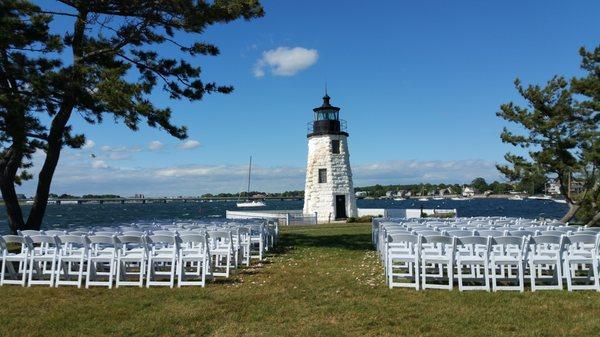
(340,206)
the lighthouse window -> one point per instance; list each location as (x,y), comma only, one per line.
(335,146)
(322,176)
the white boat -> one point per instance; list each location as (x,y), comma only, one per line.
(438,198)
(399,199)
(540,197)
(460,198)
(423,199)
(248,203)
(560,201)
(516,198)
(253,203)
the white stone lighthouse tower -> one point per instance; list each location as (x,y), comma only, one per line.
(329,190)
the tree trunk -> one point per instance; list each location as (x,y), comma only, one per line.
(13,209)
(573,209)
(55,142)
(9,168)
(595,220)
(57,130)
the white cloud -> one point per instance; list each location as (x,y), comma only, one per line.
(155,145)
(285,61)
(190,144)
(120,152)
(74,176)
(99,164)
(258,72)
(89,144)
(434,171)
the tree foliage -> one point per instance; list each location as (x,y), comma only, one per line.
(561,136)
(106,65)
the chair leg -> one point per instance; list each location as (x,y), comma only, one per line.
(460,280)
(559,274)
(118,273)
(150,272)
(494,280)
(521,270)
(80,276)
(390,277)
(2,273)
(173,266)
(143,267)
(596,268)
(532,274)
(416,274)
(111,273)
(30,272)
(450,276)
(52,273)
(423,274)
(486,274)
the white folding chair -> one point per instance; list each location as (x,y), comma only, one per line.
(16,275)
(221,250)
(193,260)
(46,254)
(102,261)
(243,241)
(257,242)
(73,253)
(403,260)
(162,259)
(581,262)
(131,260)
(473,253)
(438,257)
(507,253)
(545,256)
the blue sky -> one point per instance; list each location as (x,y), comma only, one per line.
(418,82)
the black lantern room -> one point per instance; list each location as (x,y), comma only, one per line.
(327,120)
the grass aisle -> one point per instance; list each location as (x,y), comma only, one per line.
(325,281)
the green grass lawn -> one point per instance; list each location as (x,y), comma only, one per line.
(324,281)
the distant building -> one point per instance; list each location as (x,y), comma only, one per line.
(361,194)
(553,187)
(468,191)
(445,191)
(390,194)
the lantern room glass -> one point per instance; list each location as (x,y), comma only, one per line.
(327,115)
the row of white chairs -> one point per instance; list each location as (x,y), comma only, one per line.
(125,258)
(490,259)
(493,263)
(460,227)
(268,230)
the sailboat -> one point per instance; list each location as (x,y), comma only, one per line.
(247,203)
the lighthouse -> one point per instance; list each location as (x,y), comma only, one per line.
(328,191)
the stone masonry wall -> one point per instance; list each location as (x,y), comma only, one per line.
(318,197)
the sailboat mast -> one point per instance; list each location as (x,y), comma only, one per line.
(249,174)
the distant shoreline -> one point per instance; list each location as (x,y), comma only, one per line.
(150,200)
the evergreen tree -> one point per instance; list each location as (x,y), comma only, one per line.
(89,70)
(561,135)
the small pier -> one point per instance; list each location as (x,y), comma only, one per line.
(284,217)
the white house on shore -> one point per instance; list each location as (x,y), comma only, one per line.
(468,191)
